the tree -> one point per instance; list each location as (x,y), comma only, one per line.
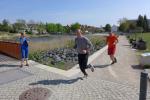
(132,26)
(140,21)
(60,28)
(5,22)
(32,25)
(67,29)
(143,23)
(122,21)
(41,28)
(51,28)
(0,27)
(75,26)
(107,28)
(124,27)
(19,25)
(5,26)
(146,24)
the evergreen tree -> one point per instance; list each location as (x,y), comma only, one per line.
(5,26)
(140,21)
(146,24)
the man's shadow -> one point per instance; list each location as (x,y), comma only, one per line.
(56,82)
(6,65)
(101,66)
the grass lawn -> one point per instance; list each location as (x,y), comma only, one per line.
(146,37)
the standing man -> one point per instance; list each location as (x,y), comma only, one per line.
(112,40)
(24,49)
(83,46)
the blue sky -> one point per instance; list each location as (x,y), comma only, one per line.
(91,12)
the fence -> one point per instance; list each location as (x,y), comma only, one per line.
(10,48)
(144,87)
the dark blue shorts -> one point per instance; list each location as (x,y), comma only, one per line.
(24,52)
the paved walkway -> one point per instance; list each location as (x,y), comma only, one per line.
(117,82)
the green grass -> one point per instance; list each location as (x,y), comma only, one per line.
(146,37)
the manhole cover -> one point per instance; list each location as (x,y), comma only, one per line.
(36,94)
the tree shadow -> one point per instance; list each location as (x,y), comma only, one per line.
(138,67)
(6,65)
(101,66)
(56,82)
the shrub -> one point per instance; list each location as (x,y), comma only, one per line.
(97,41)
(70,44)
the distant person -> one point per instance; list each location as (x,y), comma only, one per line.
(83,46)
(112,40)
(24,49)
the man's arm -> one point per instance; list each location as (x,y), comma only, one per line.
(21,40)
(106,40)
(116,41)
(90,45)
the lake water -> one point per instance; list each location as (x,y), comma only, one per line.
(48,38)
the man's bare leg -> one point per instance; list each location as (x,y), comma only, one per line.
(113,59)
(22,62)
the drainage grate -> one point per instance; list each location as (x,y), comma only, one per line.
(36,94)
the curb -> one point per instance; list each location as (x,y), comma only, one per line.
(71,72)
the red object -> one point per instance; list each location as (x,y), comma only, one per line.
(111,50)
(111,41)
(11,49)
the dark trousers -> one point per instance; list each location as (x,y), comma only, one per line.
(83,60)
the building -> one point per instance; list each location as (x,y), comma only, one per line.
(92,29)
(114,28)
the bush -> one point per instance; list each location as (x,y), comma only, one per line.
(28,32)
(70,44)
(97,41)
(36,56)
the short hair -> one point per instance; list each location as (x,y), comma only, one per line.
(21,33)
(79,30)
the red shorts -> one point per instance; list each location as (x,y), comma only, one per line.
(111,50)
